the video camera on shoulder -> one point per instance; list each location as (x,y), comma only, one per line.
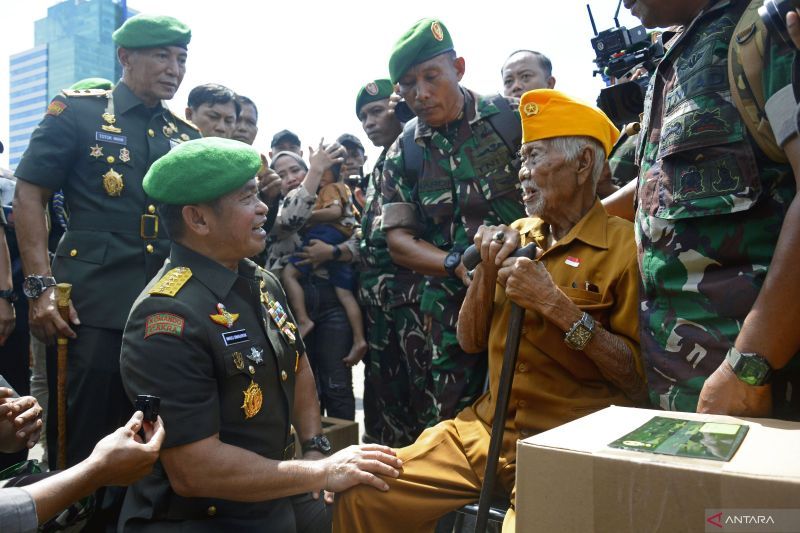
(619,51)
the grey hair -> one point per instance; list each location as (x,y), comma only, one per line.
(571,148)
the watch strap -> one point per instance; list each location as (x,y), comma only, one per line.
(9,295)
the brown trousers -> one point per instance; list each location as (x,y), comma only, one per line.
(442,471)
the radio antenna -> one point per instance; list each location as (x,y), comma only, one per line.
(591,19)
(616,14)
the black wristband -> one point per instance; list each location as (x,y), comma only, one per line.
(337,252)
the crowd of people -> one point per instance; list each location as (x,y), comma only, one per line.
(241,288)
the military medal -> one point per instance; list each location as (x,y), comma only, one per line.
(109,125)
(255,355)
(184,137)
(223,317)
(169,129)
(279,317)
(124,155)
(96,151)
(112,182)
(252,400)
(238,360)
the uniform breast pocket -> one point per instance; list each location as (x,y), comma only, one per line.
(244,360)
(586,300)
(707,166)
(436,197)
(83,246)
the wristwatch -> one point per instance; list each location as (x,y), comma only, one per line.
(9,295)
(451,262)
(580,333)
(319,443)
(749,367)
(337,252)
(34,286)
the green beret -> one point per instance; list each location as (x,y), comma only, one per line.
(426,39)
(92,83)
(201,170)
(150,31)
(372,92)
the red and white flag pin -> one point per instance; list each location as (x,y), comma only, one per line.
(572,261)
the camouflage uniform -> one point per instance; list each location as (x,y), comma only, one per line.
(622,161)
(709,210)
(469,178)
(397,399)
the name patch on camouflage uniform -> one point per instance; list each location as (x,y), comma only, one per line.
(164,323)
(172,282)
(55,108)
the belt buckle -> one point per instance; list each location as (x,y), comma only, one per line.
(148,222)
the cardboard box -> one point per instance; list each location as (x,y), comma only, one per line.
(341,433)
(568,479)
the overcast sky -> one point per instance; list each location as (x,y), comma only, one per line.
(303,62)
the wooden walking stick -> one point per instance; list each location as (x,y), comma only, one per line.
(471,259)
(63,291)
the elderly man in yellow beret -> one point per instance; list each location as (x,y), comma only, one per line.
(580,349)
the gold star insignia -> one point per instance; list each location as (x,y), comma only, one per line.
(96,151)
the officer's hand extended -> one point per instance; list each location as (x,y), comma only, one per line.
(21,420)
(723,393)
(793,26)
(121,458)
(45,322)
(8,320)
(269,183)
(360,465)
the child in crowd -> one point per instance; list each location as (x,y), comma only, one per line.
(332,222)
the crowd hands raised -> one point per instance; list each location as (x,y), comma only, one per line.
(371,265)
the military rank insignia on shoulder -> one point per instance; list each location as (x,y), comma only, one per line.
(172,282)
(185,121)
(85,92)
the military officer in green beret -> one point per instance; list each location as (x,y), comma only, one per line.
(96,145)
(213,337)
(452,170)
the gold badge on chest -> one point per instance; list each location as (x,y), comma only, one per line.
(112,183)
(252,400)
(110,119)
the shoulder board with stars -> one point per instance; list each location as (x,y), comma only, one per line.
(185,121)
(172,282)
(85,92)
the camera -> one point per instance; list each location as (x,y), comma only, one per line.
(773,15)
(148,405)
(403,111)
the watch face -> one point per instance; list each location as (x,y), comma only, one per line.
(581,336)
(751,370)
(452,260)
(324,444)
(32,287)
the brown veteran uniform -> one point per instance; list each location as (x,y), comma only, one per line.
(595,266)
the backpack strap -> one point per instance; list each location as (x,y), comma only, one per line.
(506,123)
(412,152)
(746,56)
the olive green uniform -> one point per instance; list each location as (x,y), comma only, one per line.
(96,145)
(234,379)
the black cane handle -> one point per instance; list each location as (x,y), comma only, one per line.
(472,255)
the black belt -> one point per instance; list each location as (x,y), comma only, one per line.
(145,226)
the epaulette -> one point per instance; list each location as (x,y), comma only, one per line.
(185,121)
(172,282)
(85,92)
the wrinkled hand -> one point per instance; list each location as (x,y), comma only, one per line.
(324,157)
(269,183)
(493,253)
(315,253)
(23,417)
(529,285)
(122,458)
(8,320)
(793,26)
(45,322)
(725,394)
(360,465)
(314,455)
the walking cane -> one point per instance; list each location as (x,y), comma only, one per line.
(471,258)
(63,291)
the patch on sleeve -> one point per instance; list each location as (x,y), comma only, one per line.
(164,323)
(55,108)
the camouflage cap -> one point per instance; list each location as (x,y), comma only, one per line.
(547,113)
(150,31)
(201,170)
(372,92)
(424,40)
(92,83)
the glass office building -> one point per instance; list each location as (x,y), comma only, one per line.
(71,43)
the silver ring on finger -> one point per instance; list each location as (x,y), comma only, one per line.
(499,237)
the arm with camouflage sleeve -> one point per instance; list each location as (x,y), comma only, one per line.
(402,224)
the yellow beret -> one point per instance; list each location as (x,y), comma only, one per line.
(547,113)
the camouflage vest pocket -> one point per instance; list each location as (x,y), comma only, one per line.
(436,197)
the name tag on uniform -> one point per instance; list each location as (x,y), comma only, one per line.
(234,337)
(109,138)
